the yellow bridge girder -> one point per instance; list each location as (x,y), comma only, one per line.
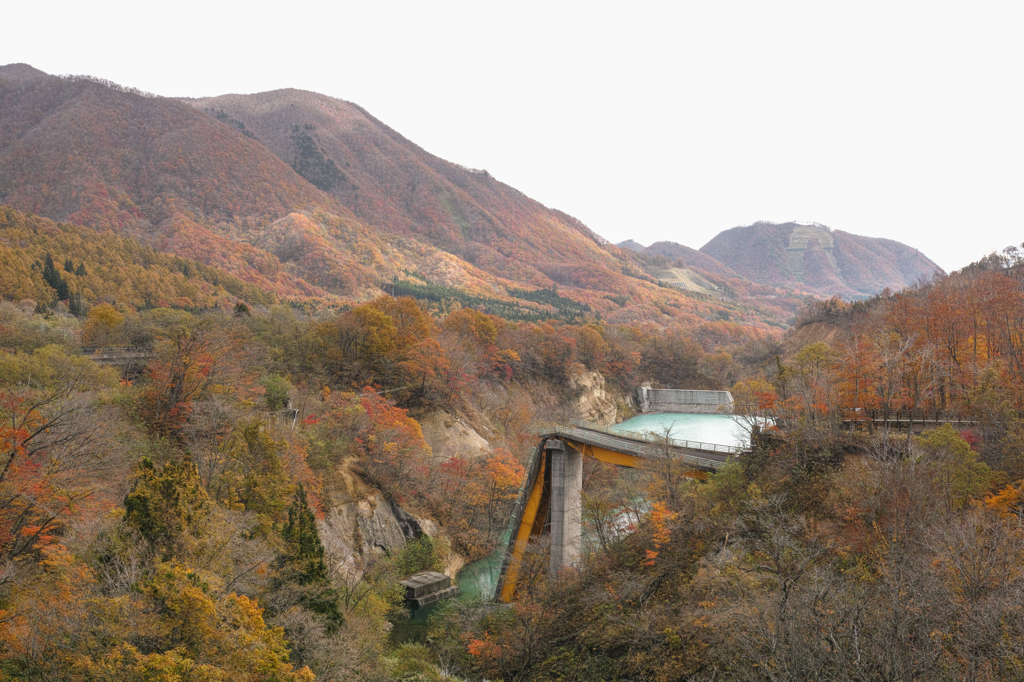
(528,526)
(523,533)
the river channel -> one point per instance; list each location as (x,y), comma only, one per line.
(478,579)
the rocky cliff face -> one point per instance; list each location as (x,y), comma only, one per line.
(355,531)
(362,522)
(595,403)
(451,435)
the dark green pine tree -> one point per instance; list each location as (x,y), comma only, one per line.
(75,305)
(49,272)
(303,564)
(305,552)
(69,266)
(80,270)
(53,278)
(63,293)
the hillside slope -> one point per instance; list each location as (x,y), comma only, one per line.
(313,200)
(691,257)
(816,258)
(84,152)
(392,184)
(636,247)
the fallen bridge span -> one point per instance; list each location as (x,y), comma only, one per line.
(550,501)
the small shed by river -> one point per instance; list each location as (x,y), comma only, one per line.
(427,587)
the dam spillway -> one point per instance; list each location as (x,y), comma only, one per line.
(683,401)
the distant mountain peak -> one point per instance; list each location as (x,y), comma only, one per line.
(632,246)
(817,258)
(21,72)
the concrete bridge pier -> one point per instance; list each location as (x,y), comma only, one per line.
(550,504)
(566,505)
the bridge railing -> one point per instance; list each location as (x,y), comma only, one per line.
(873,414)
(653,439)
(116,350)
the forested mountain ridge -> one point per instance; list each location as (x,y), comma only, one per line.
(100,156)
(312,199)
(690,270)
(809,258)
(805,259)
(690,257)
(816,258)
(223,502)
(393,184)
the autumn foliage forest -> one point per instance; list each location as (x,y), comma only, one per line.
(172,517)
(162,517)
(261,357)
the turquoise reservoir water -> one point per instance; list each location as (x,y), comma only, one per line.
(478,579)
(719,429)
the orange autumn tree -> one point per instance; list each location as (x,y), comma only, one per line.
(1009,501)
(386,441)
(47,447)
(370,342)
(756,403)
(66,628)
(188,365)
(660,531)
(502,476)
(392,444)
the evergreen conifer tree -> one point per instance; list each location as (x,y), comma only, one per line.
(49,272)
(303,564)
(63,293)
(304,550)
(75,305)
(53,278)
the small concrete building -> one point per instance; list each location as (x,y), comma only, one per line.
(426,588)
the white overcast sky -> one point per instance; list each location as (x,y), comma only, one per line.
(648,121)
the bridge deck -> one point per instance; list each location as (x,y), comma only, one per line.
(705,456)
(529,516)
(877,416)
(118,355)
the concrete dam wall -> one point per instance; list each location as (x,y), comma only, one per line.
(683,401)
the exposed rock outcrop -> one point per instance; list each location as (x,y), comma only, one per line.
(355,531)
(595,403)
(450,435)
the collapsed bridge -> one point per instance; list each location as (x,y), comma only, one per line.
(550,502)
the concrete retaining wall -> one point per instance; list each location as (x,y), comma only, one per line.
(683,401)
